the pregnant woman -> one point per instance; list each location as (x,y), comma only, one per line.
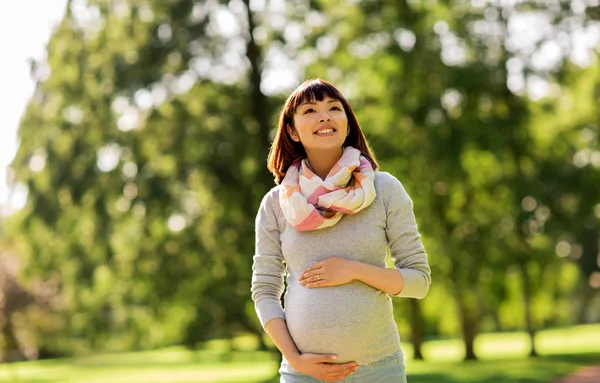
(323,231)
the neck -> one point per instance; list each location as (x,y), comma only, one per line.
(322,161)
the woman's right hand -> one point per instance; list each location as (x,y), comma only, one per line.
(322,367)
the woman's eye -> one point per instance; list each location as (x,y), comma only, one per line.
(335,108)
(310,110)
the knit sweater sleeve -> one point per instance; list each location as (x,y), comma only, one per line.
(268,269)
(404,240)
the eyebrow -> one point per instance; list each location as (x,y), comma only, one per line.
(314,103)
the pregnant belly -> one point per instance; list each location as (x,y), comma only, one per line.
(354,321)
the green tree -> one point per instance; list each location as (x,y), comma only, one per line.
(141,152)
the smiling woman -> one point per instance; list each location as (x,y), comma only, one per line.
(325,228)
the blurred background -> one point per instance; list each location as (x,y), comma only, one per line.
(133,144)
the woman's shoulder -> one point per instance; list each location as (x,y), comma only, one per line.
(386,180)
(273,194)
(388,185)
(270,200)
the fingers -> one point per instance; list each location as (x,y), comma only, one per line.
(328,358)
(314,266)
(330,371)
(345,370)
(315,281)
(311,273)
(340,371)
(311,276)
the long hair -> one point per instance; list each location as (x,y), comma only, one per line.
(284,151)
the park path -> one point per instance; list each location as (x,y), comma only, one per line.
(590,374)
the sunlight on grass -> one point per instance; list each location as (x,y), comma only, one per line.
(505,345)
(150,373)
(502,361)
(443,350)
(585,338)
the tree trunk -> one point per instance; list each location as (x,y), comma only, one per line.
(587,297)
(12,352)
(587,264)
(416,328)
(468,320)
(260,114)
(469,332)
(527,298)
(259,100)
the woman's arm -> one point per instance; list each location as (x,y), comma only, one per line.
(390,281)
(268,269)
(322,367)
(404,241)
(280,335)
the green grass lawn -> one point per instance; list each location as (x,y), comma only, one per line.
(503,360)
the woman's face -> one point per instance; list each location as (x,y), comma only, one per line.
(320,125)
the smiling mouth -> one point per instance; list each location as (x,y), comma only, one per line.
(325,131)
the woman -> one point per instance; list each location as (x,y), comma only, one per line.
(328,224)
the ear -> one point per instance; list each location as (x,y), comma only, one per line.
(293,134)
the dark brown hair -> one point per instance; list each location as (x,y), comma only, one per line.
(284,151)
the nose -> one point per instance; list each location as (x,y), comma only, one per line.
(324,117)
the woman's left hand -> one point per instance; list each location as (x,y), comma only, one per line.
(333,271)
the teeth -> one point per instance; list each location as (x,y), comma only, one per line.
(325,131)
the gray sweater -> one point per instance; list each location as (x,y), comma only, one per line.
(354,321)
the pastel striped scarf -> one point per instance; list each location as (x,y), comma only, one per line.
(310,203)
